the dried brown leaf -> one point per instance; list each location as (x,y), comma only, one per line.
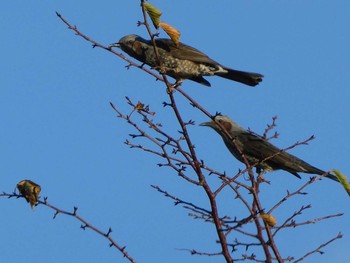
(172,32)
(268,219)
(30,191)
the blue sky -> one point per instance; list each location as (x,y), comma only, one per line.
(59,130)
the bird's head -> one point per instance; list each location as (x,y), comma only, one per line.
(224,121)
(131,44)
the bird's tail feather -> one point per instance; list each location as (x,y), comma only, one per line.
(248,78)
(315,170)
(331,176)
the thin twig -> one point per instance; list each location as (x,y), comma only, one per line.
(318,249)
(85,223)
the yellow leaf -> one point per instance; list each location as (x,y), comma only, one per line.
(268,219)
(30,191)
(153,12)
(173,33)
(343,180)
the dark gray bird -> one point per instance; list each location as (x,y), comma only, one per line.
(256,149)
(182,62)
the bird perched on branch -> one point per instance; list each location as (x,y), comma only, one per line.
(182,61)
(258,150)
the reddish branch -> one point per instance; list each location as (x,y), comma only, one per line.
(85,224)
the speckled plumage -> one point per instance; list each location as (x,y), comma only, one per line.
(182,62)
(256,149)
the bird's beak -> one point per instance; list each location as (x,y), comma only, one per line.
(114,45)
(209,124)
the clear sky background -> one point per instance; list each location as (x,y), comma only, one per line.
(58,129)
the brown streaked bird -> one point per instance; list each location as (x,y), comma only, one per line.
(182,61)
(256,149)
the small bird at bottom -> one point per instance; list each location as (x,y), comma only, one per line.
(256,149)
(182,61)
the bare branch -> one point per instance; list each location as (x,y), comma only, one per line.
(318,249)
(85,224)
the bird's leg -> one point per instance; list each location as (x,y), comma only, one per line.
(177,83)
(174,86)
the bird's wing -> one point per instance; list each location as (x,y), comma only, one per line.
(294,164)
(261,149)
(184,51)
(257,147)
